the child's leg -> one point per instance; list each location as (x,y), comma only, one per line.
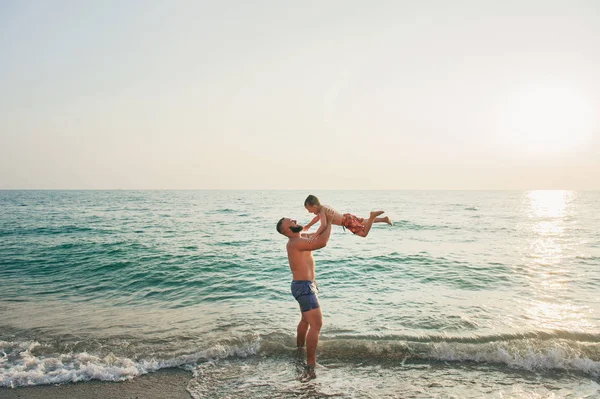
(384,220)
(369,223)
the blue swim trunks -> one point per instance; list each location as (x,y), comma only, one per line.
(305,292)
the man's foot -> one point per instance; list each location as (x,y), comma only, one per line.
(374,214)
(299,361)
(388,220)
(308,374)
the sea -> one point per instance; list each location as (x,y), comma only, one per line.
(470,294)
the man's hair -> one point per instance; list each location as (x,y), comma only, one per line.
(279,225)
(311,200)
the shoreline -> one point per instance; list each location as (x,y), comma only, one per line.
(164,383)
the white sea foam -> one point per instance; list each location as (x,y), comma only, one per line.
(272,377)
(28,363)
(20,367)
(524,354)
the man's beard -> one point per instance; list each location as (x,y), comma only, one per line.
(296,229)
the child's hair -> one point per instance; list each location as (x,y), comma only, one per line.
(311,200)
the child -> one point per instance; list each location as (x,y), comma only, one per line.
(356,225)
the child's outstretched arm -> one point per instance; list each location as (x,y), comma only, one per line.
(323,219)
(315,220)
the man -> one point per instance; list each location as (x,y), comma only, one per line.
(302,265)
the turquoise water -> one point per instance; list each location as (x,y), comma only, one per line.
(469,294)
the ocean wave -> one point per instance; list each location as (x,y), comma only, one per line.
(21,364)
(49,230)
(223,210)
(525,354)
(560,350)
(408,225)
(234,243)
(441,270)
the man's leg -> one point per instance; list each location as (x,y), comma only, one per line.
(314,318)
(301,331)
(369,223)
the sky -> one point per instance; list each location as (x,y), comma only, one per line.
(391,95)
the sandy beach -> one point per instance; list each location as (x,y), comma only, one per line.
(166,383)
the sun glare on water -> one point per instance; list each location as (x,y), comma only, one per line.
(548,203)
(548,120)
(547,264)
(546,212)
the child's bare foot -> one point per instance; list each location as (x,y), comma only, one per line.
(388,220)
(374,214)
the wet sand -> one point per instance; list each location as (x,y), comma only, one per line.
(166,383)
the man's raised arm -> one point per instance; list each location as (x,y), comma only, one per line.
(320,242)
